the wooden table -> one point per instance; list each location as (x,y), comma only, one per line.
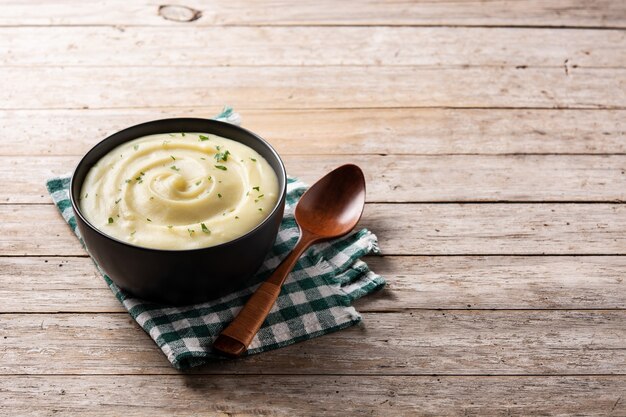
(493,139)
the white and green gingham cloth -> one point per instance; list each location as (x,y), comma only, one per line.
(315,300)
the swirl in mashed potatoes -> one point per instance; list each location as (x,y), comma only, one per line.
(179,191)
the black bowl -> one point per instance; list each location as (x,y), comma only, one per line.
(181,276)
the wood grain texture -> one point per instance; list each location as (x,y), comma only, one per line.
(349,131)
(312,87)
(310,46)
(403,229)
(71,284)
(430,342)
(577,13)
(403,178)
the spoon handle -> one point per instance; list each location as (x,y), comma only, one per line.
(235,339)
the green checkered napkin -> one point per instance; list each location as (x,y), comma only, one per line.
(314,301)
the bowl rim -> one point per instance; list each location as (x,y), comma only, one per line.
(279,202)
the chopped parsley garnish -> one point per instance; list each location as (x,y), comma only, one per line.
(253,160)
(86,195)
(118,200)
(191,232)
(205,229)
(169,226)
(219,195)
(152,198)
(209,178)
(110,220)
(136,147)
(172,156)
(148,219)
(174,168)
(133,233)
(218,147)
(256,188)
(237,217)
(198,182)
(221,156)
(127,181)
(182,134)
(261,195)
(202,137)
(260,209)
(222,167)
(204,159)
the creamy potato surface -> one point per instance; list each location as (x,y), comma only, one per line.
(179,191)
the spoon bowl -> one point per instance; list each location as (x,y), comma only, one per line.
(331,208)
(333,205)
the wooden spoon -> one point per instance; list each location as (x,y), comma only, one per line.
(329,209)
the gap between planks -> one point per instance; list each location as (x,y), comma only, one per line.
(124,27)
(442,202)
(386,255)
(364,310)
(199,374)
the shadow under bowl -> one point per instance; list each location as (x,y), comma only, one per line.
(179,277)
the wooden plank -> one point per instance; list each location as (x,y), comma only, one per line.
(311,87)
(444,229)
(27,235)
(41,285)
(272,46)
(498,282)
(577,13)
(184,395)
(431,342)
(350,131)
(403,229)
(403,178)
(395,178)
(57,284)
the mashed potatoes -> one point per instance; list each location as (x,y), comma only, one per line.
(179,191)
